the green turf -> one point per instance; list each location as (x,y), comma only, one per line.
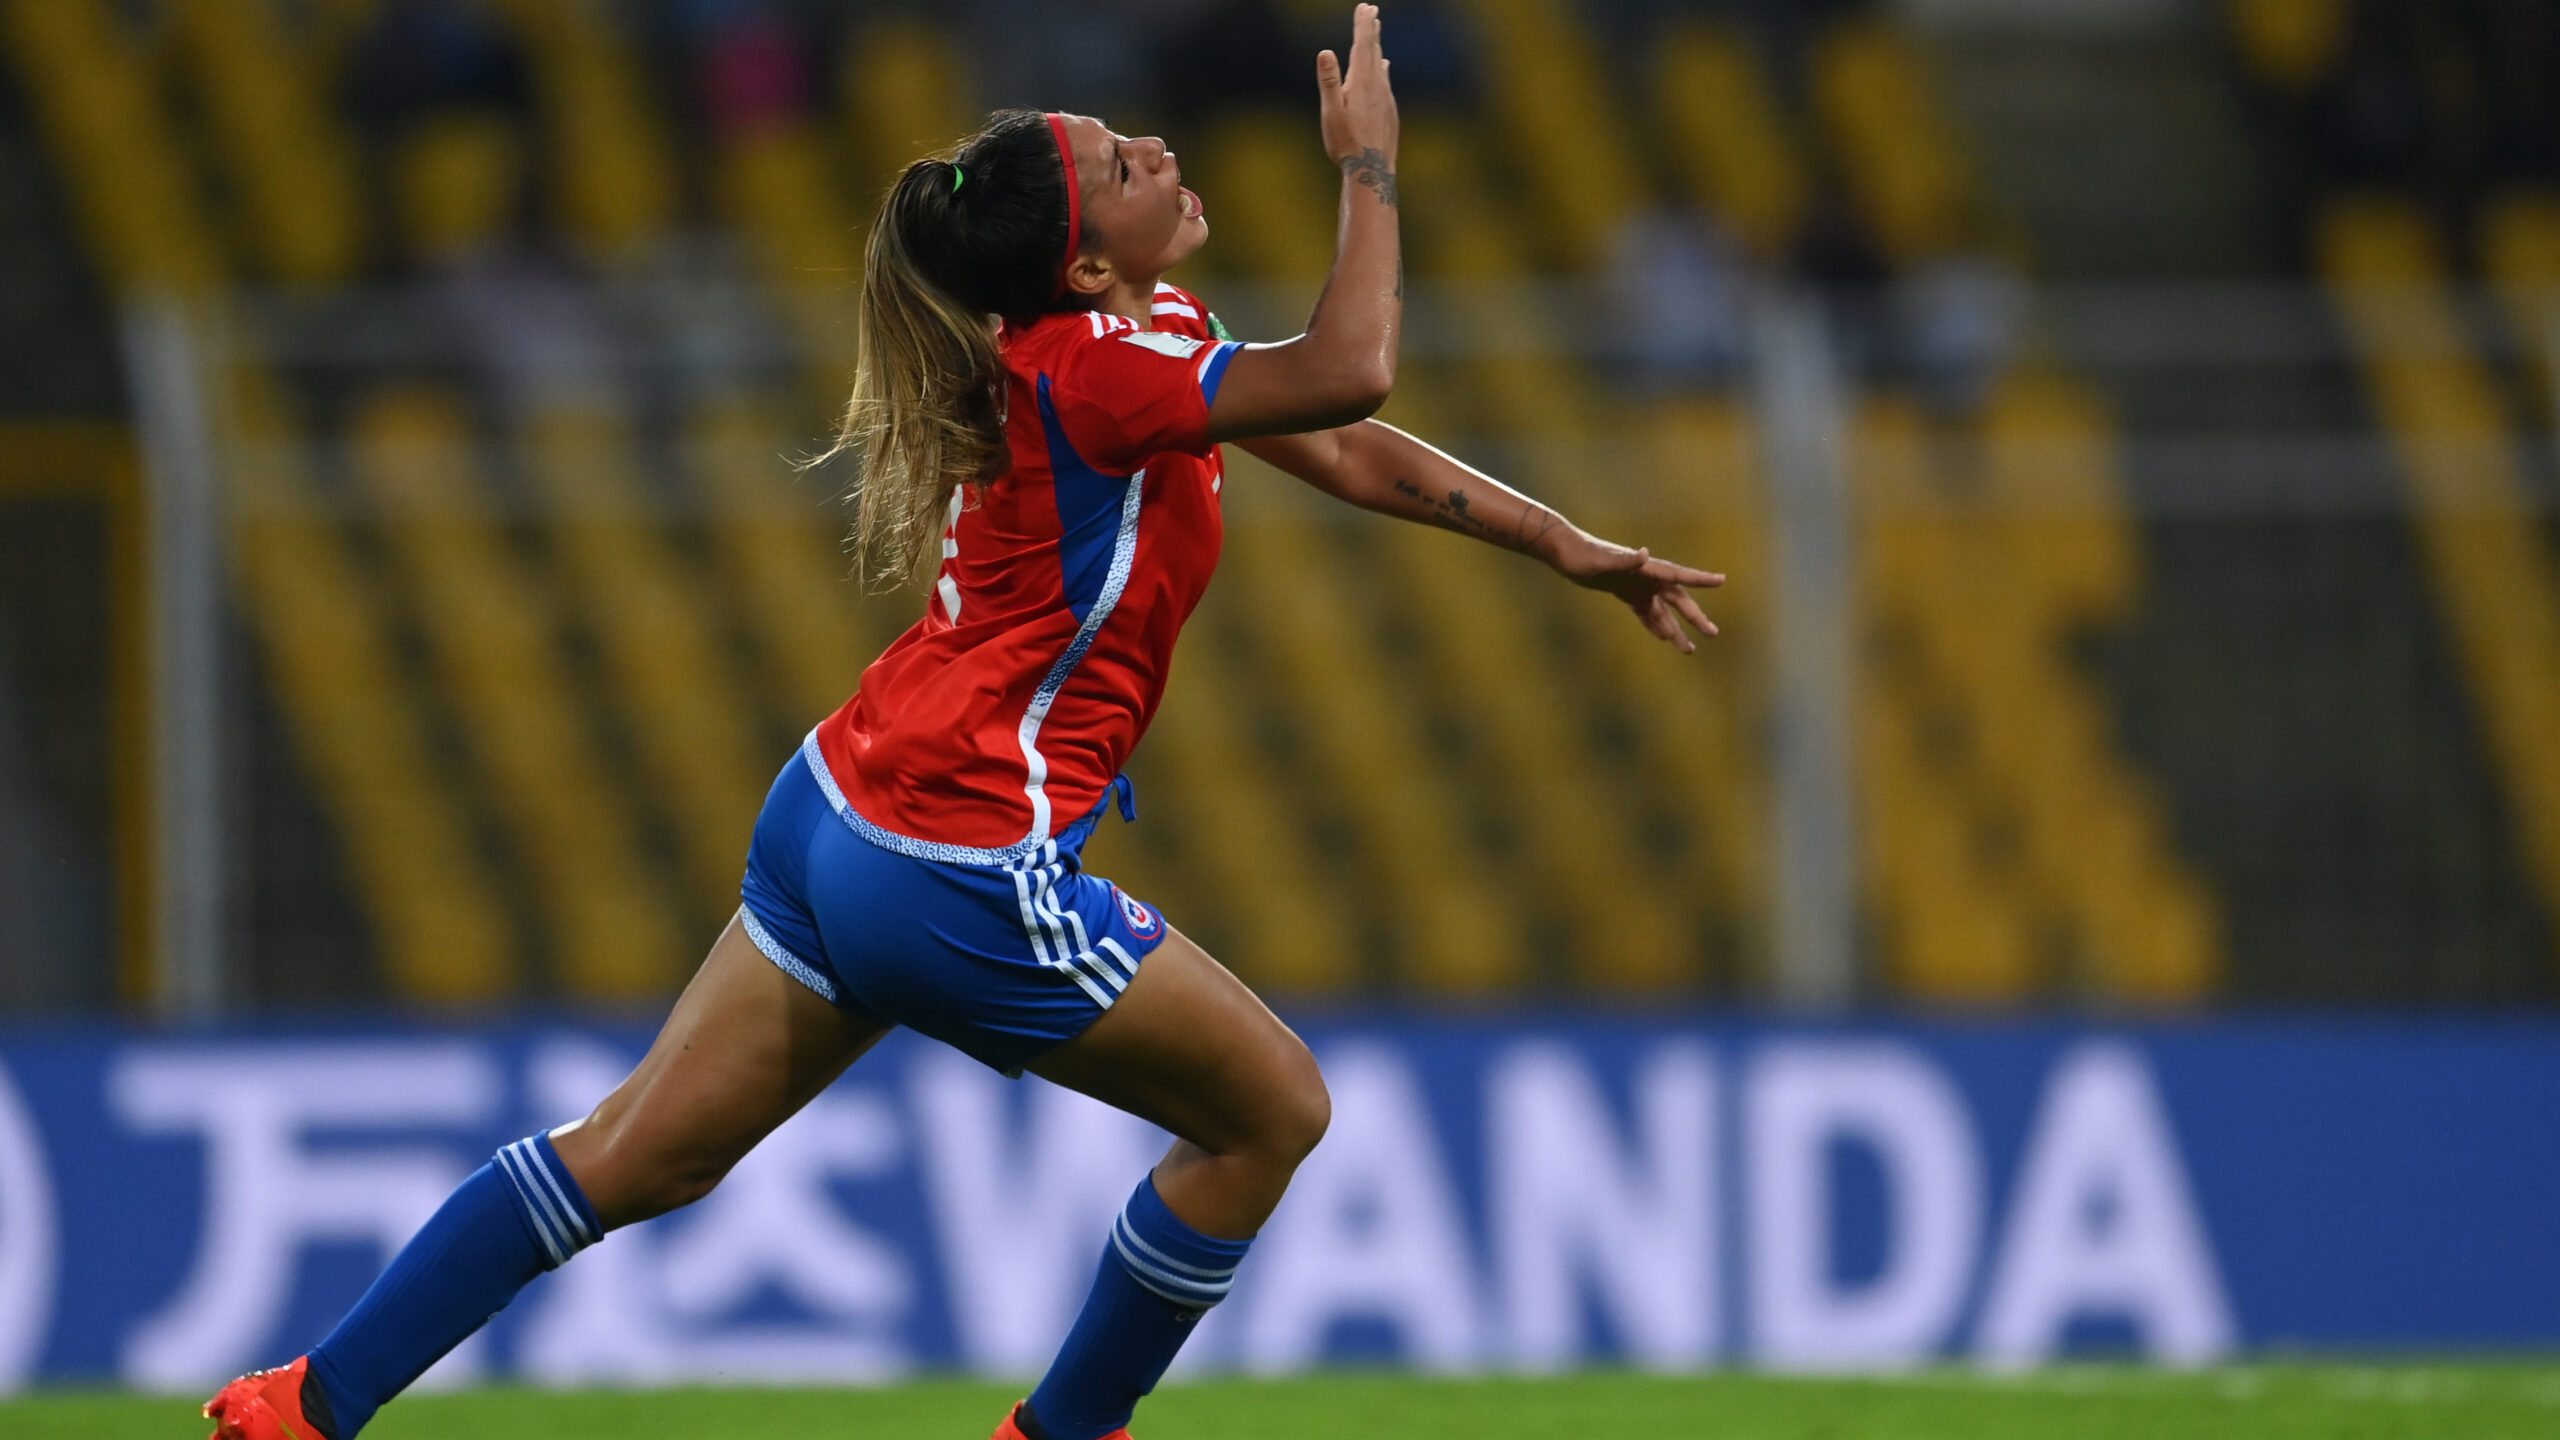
(2474,1402)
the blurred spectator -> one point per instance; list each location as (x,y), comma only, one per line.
(2372,123)
(527,321)
(1242,54)
(1676,294)
(1430,46)
(1088,56)
(1958,319)
(1835,255)
(2520,77)
(422,57)
(752,71)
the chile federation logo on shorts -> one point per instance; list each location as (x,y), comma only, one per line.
(1142,920)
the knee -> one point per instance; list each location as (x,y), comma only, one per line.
(1300,1109)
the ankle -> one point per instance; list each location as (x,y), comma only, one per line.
(316,1407)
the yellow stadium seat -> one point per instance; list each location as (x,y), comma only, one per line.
(776,186)
(1974,590)
(608,156)
(2290,43)
(1693,491)
(1453,930)
(2492,565)
(2520,256)
(1905,167)
(778,538)
(1271,197)
(96,99)
(1290,927)
(1557,110)
(495,639)
(905,96)
(319,618)
(1728,136)
(293,172)
(687,706)
(357,724)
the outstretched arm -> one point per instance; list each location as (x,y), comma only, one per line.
(1377,467)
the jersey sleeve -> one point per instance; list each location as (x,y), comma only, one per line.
(1125,396)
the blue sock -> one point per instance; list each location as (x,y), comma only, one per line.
(1158,1277)
(517,1216)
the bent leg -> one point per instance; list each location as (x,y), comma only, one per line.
(744,1049)
(1190,1048)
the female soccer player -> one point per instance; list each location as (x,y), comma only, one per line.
(1056,473)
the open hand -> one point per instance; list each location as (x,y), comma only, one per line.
(1657,590)
(1357,106)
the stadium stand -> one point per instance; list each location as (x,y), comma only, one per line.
(1993,540)
(616,190)
(1904,164)
(286,160)
(1581,846)
(438,919)
(1453,927)
(1734,147)
(325,636)
(494,633)
(1438,774)
(1555,109)
(688,707)
(2492,565)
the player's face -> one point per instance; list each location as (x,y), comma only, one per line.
(1141,218)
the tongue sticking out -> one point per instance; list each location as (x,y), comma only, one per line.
(1191,207)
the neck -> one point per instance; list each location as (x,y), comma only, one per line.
(1131,299)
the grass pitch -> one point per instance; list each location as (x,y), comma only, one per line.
(2403,1402)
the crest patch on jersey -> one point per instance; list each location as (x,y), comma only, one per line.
(1143,922)
(1180,347)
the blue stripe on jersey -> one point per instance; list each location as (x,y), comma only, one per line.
(1214,372)
(1088,513)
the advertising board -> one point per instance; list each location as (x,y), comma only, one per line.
(1660,1193)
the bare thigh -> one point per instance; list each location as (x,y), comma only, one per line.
(1188,1047)
(745,1047)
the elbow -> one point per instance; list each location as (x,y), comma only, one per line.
(1365,389)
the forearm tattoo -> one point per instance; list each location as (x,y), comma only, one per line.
(1452,512)
(1370,168)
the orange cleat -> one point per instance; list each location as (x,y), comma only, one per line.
(1012,1429)
(263,1405)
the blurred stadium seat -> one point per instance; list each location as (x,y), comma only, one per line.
(510,360)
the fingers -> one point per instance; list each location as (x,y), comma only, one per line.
(1670,573)
(1687,605)
(1671,630)
(1364,36)
(1657,618)
(1328,75)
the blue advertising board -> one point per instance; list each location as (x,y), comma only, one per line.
(1493,1195)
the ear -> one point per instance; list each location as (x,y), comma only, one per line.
(1090,274)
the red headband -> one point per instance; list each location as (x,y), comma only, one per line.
(1075,199)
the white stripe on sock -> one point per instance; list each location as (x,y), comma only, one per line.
(534,1208)
(578,1228)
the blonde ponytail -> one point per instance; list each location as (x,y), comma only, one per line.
(927,411)
(949,253)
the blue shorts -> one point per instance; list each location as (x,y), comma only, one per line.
(1001,961)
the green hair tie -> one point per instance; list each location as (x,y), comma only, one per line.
(957,175)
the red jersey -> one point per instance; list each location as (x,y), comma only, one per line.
(1004,715)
